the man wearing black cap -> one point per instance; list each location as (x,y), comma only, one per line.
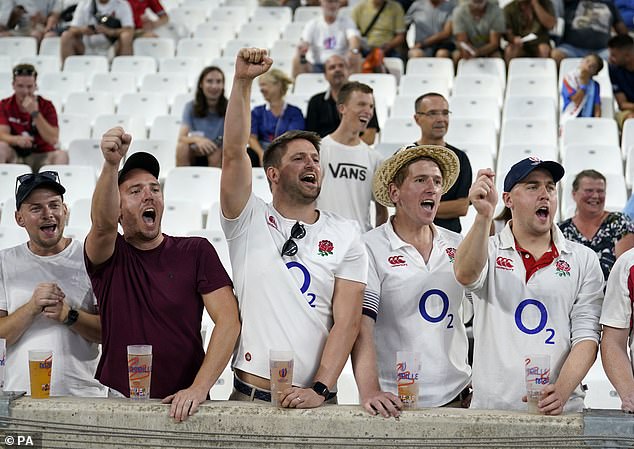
(46,301)
(538,293)
(152,287)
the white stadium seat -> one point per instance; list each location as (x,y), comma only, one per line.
(89,104)
(155,47)
(72,127)
(163,150)
(114,83)
(88,65)
(589,130)
(180,217)
(416,85)
(16,47)
(475,107)
(201,184)
(383,84)
(218,31)
(431,66)
(400,131)
(310,83)
(79,180)
(206,50)
(147,105)
(528,131)
(477,85)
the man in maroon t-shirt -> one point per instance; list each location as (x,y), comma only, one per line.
(143,25)
(152,287)
(28,124)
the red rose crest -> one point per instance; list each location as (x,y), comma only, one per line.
(325,248)
(562,268)
(451,252)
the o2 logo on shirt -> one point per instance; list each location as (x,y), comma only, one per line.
(422,307)
(543,320)
(306,284)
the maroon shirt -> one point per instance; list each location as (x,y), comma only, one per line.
(154,297)
(21,121)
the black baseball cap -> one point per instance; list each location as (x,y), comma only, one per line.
(524,167)
(141,160)
(27,183)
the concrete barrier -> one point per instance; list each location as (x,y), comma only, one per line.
(121,423)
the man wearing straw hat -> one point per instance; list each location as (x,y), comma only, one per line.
(537,293)
(412,301)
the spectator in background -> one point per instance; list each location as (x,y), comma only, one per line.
(37,18)
(46,300)
(588,25)
(200,136)
(89,35)
(432,21)
(330,34)
(144,26)
(580,93)
(347,163)
(621,59)
(28,124)
(432,117)
(524,19)
(609,234)
(276,116)
(477,27)
(386,32)
(626,8)
(322,115)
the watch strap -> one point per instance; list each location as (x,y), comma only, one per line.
(72,317)
(321,389)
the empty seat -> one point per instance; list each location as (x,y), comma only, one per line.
(169,84)
(541,67)
(233,47)
(471,130)
(589,130)
(475,107)
(530,107)
(416,85)
(79,212)
(442,67)
(200,184)
(484,66)
(135,126)
(138,65)
(180,217)
(281,15)
(50,46)
(528,132)
(403,106)
(11,236)
(217,238)
(62,83)
(166,127)
(42,63)
(114,83)
(163,150)
(86,152)
(260,185)
(8,176)
(218,31)
(477,85)
(190,17)
(383,84)
(205,50)
(293,32)
(307,13)
(17,47)
(532,86)
(180,100)
(89,104)
(399,131)
(143,104)
(266,33)
(310,83)
(72,127)
(88,65)
(235,16)
(155,47)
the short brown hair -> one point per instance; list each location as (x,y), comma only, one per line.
(349,87)
(276,150)
(592,174)
(428,94)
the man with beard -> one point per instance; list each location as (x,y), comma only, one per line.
(322,115)
(347,163)
(299,272)
(45,295)
(535,293)
(152,287)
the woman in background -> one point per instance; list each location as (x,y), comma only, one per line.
(200,136)
(276,116)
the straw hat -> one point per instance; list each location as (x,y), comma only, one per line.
(444,157)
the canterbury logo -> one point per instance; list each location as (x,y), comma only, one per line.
(396,261)
(504,263)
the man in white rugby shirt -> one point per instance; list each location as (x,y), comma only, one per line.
(412,301)
(537,293)
(616,318)
(46,300)
(299,273)
(348,163)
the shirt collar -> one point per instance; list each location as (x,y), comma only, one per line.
(396,242)
(507,239)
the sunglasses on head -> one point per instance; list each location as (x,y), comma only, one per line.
(297,232)
(30,177)
(24,71)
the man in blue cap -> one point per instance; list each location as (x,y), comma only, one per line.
(537,293)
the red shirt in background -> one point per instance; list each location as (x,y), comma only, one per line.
(139,7)
(21,121)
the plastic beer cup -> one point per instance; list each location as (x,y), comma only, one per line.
(40,367)
(408,368)
(140,370)
(281,365)
(537,376)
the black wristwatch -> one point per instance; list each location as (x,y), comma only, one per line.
(321,390)
(71,318)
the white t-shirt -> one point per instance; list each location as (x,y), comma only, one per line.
(84,16)
(327,39)
(617,305)
(32,7)
(74,358)
(286,302)
(558,307)
(347,173)
(417,306)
